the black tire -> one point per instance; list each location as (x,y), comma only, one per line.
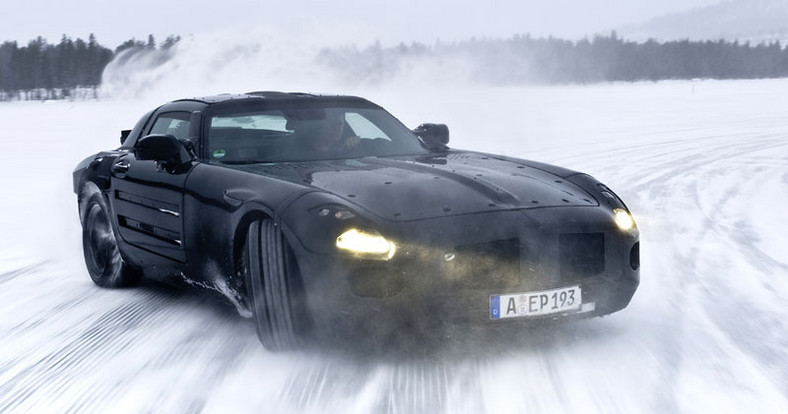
(102,257)
(273,288)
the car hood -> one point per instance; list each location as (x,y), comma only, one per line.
(411,188)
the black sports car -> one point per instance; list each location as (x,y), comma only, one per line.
(320,213)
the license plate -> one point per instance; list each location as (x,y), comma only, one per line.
(544,302)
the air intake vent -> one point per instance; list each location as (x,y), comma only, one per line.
(581,255)
(634,256)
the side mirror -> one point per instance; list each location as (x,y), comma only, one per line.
(434,136)
(165,149)
(124,135)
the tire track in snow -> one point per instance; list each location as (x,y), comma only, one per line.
(754,327)
(7,276)
(111,334)
(675,187)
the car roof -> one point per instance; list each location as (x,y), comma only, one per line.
(270,95)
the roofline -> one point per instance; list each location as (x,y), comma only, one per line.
(213,99)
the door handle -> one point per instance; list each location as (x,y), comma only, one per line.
(120,167)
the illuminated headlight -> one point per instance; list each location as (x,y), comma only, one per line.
(366,244)
(623,219)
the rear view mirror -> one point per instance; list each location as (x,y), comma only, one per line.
(434,136)
(165,149)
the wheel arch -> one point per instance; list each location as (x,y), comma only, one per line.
(93,175)
(86,190)
(273,289)
(239,238)
(254,213)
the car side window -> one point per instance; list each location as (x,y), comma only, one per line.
(172,123)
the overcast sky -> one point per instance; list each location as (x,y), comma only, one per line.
(361,21)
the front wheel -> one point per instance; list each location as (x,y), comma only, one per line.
(102,257)
(273,287)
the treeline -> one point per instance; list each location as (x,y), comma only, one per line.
(524,59)
(69,69)
(73,68)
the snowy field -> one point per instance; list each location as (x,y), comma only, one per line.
(703,165)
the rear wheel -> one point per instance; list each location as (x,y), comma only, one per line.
(102,257)
(273,287)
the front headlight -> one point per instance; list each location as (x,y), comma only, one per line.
(366,244)
(623,219)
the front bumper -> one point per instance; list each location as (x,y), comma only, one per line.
(446,270)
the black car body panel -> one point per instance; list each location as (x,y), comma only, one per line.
(467,225)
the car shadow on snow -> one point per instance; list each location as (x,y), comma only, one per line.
(458,343)
(405,343)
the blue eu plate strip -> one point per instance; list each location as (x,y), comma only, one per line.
(495,307)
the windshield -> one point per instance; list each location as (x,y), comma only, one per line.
(307,132)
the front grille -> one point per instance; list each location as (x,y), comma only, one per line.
(581,255)
(493,264)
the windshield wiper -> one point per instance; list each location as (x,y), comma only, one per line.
(241,162)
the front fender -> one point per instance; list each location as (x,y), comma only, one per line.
(317,218)
(96,169)
(219,204)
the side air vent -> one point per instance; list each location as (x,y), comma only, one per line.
(634,256)
(169,236)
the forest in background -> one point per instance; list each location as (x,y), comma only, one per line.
(69,69)
(528,60)
(73,68)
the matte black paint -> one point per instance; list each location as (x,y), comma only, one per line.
(192,222)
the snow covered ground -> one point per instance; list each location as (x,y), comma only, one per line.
(703,165)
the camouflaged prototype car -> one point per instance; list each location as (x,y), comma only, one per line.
(325,213)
